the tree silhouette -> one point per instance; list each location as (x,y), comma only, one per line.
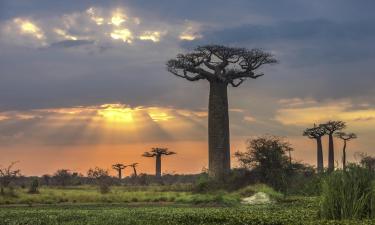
(220,66)
(317,132)
(7,175)
(331,127)
(134,165)
(158,153)
(119,167)
(345,137)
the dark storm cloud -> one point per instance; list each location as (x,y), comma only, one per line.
(70,43)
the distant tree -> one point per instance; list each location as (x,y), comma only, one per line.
(63,177)
(46,179)
(119,167)
(317,132)
(102,178)
(7,175)
(267,156)
(134,165)
(345,137)
(367,161)
(220,66)
(158,153)
(331,127)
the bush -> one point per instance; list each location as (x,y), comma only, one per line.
(348,194)
(253,189)
(34,187)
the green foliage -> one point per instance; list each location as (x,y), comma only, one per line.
(348,194)
(102,178)
(34,187)
(268,157)
(296,213)
(252,189)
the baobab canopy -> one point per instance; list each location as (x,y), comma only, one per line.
(220,64)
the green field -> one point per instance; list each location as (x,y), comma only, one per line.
(156,205)
(300,212)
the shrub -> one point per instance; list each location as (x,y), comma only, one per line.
(348,194)
(34,187)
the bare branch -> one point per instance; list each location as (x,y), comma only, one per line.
(228,65)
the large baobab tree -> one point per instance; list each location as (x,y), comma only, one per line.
(158,153)
(345,137)
(331,127)
(220,66)
(119,167)
(134,165)
(317,132)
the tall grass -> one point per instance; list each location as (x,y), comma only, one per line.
(348,194)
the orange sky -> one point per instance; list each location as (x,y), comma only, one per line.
(80,138)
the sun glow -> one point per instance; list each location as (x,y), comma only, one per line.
(116,113)
(123,34)
(118,17)
(97,19)
(27,27)
(64,34)
(152,36)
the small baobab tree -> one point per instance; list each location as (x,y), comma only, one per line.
(119,167)
(331,127)
(317,132)
(345,137)
(134,165)
(158,153)
(220,66)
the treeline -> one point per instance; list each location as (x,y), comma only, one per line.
(64,178)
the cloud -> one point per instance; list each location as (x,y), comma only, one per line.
(71,43)
(105,124)
(303,114)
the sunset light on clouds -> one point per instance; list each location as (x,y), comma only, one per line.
(89,82)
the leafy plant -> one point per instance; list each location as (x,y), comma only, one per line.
(34,187)
(348,194)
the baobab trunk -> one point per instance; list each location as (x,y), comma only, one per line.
(331,154)
(119,174)
(344,156)
(158,166)
(319,154)
(218,131)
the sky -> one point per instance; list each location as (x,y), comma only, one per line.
(84,83)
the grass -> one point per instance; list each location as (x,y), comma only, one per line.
(348,194)
(300,212)
(90,194)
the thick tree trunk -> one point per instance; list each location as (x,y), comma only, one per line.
(331,154)
(319,155)
(119,174)
(344,156)
(218,131)
(158,166)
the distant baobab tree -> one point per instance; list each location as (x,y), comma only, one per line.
(331,127)
(345,137)
(220,66)
(158,153)
(119,167)
(134,165)
(317,132)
